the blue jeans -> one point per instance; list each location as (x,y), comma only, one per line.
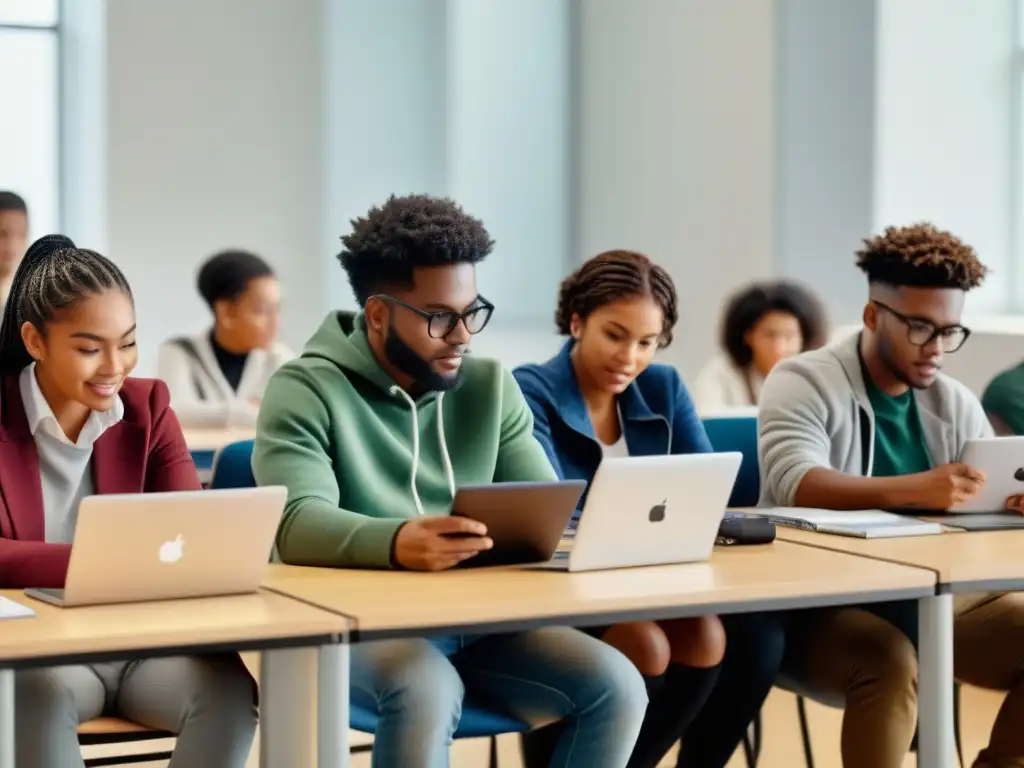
(417,688)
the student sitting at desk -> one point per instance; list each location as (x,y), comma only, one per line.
(603,396)
(871,423)
(217,379)
(372,430)
(72,424)
(762,324)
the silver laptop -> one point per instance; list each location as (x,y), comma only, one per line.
(160,546)
(1002,461)
(650,510)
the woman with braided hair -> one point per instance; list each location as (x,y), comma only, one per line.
(596,398)
(73,424)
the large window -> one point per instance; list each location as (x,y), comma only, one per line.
(29,118)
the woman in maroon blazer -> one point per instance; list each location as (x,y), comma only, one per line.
(73,424)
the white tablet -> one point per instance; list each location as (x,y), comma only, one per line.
(1002,461)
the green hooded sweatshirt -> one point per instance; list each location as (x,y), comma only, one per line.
(360,456)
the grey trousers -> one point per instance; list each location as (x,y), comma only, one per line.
(208,701)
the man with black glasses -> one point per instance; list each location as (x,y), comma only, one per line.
(872,423)
(372,429)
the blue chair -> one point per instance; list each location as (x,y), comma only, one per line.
(738,433)
(232,468)
(476,723)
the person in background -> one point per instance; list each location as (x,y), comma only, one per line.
(763,324)
(13,238)
(372,430)
(871,423)
(1003,401)
(603,395)
(74,424)
(217,379)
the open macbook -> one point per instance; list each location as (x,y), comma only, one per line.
(650,510)
(160,546)
(1002,461)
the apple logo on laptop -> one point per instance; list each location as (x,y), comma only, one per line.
(657,513)
(1019,475)
(172,551)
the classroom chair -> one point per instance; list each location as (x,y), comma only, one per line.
(232,468)
(805,731)
(738,433)
(476,723)
(114,730)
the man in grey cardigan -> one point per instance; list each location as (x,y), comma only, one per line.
(871,423)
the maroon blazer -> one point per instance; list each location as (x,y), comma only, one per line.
(144,452)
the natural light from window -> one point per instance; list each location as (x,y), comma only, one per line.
(30,129)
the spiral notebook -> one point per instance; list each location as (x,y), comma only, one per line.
(863,523)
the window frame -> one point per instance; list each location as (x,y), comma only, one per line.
(56,30)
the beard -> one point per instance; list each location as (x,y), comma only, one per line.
(405,359)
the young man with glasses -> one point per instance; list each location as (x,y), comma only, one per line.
(372,429)
(872,423)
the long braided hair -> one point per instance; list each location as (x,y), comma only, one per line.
(54,275)
(611,276)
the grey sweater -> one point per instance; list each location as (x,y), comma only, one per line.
(814,412)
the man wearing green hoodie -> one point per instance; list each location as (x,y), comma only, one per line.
(372,430)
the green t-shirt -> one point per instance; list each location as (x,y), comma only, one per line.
(900,448)
(1004,398)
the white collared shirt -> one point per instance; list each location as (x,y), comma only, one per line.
(63,465)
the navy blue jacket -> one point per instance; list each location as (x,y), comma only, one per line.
(657,413)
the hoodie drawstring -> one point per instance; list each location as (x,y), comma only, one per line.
(449,472)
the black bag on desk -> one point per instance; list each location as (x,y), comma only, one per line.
(741,529)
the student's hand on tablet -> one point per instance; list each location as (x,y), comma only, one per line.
(947,486)
(1015,504)
(439,543)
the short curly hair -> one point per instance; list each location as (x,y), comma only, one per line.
(920,256)
(611,276)
(392,240)
(746,307)
(226,275)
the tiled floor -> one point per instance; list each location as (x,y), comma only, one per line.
(781,741)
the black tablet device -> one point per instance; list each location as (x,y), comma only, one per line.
(525,520)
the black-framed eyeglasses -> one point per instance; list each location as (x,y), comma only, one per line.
(440,324)
(921,333)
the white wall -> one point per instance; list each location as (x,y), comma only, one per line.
(212,120)
(943,125)
(689,129)
(676,146)
(825,81)
(384,103)
(508,144)
(448,100)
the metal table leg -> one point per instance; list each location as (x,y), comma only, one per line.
(935,747)
(287,708)
(333,706)
(6,718)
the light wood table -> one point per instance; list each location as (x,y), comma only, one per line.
(265,621)
(389,604)
(963,562)
(209,440)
